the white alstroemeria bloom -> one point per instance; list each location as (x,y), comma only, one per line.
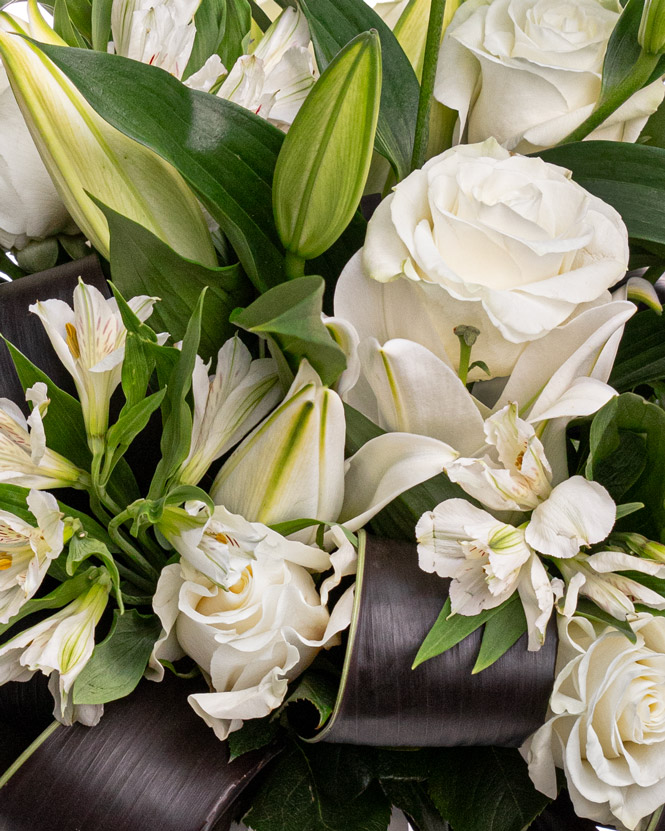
(292,465)
(577,513)
(157,32)
(62,642)
(250,640)
(24,457)
(90,341)
(223,545)
(487,561)
(519,478)
(594,577)
(26,552)
(606,722)
(276,78)
(227,405)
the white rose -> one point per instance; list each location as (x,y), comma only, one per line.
(30,207)
(251,640)
(508,244)
(607,725)
(528,72)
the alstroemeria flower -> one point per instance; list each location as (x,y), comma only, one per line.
(90,341)
(26,552)
(594,577)
(223,545)
(577,513)
(62,642)
(292,465)
(487,560)
(227,405)
(276,78)
(24,457)
(518,479)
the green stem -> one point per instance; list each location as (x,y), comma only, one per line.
(294,266)
(135,579)
(639,76)
(464,358)
(128,549)
(27,753)
(655,817)
(430,61)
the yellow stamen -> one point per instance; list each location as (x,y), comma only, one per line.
(72,340)
(5,562)
(221,538)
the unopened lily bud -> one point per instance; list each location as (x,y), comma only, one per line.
(651,35)
(641,546)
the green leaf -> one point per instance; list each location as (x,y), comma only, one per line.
(119,661)
(253,735)
(81,547)
(236,32)
(587,609)
(641,355)
(653,133)
(101,24)
(448,631)
(324,161)
(412,798)
(485,789)
(630,177)
(628,508)
(290,315)
(617,458)
(398,519)
(63,25)
(177,415)
(623,49)
(210,20)
(630,412)
(318,689)
(333,23)
(142,264)
(132,421)
(137,369)
(500,633)
(59,597)
(293,796)
(225,153)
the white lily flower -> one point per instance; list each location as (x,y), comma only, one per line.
(62,642)
(487,561)
(577,513)
(224,545)
(276,78)
(24,457)
(520,479)
(26,552)
(292,465)
(594,577)
(90,341)
(227,405)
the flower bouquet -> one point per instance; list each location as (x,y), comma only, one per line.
(333,430)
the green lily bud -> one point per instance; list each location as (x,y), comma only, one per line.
(324,161)
(651,35)
(86,157)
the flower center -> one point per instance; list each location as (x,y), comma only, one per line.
(240,586)
(72,340)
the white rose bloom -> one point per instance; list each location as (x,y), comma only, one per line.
(250,640)
(528,72)
(607,722)
(30,207)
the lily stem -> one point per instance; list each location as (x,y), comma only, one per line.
(655,817)
(430,61)
(27,753)
(130,551)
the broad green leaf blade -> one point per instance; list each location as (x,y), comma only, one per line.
(323,164)
(236,32)
(118,663)
(64,26)
(333,23)
(588,609)
(143,264)
(485,789)
(448,631)
(209,19)
(641,355)
(631,177)
(653,133)
(500,633)
(290,314)
(623,50)
(225,153)
(253,735)
(319,690)
(412,798)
